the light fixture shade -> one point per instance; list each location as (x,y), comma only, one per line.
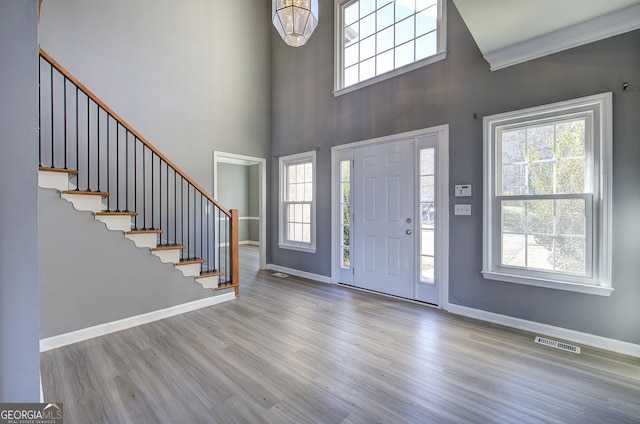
(295,20)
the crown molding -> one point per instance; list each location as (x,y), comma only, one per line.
(612,24)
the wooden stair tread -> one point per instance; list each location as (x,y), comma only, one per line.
(190,261)
(117,213)
(145,231)
(209,274)
(90,193)
(169,247)
(226,286)
(66,171)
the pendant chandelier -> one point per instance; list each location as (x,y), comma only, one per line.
(295,20)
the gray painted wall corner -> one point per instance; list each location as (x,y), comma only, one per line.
(19,302)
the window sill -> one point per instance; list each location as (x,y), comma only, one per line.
(408,68)
(550,284)
(299,248)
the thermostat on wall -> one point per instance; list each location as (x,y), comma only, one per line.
(463,190)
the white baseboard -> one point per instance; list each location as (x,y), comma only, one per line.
(301,274)
(599,342)
(111,327)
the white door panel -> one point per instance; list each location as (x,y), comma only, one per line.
(383,218)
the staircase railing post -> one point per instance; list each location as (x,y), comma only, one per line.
(234,252)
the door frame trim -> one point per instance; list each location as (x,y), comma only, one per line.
(442,131)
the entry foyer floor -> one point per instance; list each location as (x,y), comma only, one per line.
(293,351)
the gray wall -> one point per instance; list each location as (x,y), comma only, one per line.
(97,276)
(181,73)
(19,304)
(305,114)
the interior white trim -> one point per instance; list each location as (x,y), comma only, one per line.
(301,274)
(606,26)
(236,159)
(111,327)
(618,346)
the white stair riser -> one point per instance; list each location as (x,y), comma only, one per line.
(168,256)
(209,282)
(149,240)
(115,223)
(189,270)
(56,180)
(84,202)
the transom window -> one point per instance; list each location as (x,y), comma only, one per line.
(297,202)
(547,195)
(376,37)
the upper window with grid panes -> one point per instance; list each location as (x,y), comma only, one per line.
(379,39)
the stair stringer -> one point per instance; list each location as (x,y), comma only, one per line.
(90,276)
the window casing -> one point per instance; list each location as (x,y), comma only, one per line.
(379,39)
(547,196)
(297,202)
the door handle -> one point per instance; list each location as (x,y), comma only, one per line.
(408,232)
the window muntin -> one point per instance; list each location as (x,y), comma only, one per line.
(547,196)
(375,38)
(297,209)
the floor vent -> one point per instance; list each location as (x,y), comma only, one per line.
(557,345)
(280,275)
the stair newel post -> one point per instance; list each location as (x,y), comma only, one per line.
(233,251)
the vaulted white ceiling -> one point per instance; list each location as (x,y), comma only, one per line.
(504,28)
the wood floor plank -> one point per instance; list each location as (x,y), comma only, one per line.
(290,350)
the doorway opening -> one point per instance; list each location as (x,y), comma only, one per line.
(239,182)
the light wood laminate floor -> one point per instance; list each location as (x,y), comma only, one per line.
(294,351)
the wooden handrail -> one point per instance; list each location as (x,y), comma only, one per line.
(129,128)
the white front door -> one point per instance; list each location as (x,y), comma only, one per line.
(383,218)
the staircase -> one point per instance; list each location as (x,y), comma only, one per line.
(102,166)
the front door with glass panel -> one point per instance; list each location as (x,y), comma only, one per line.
(383,221)
(393,216)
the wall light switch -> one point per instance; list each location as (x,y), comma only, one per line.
(462,210)
(463,190)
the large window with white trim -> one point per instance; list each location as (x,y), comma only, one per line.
(297,202)
(547,196)
(378,39)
